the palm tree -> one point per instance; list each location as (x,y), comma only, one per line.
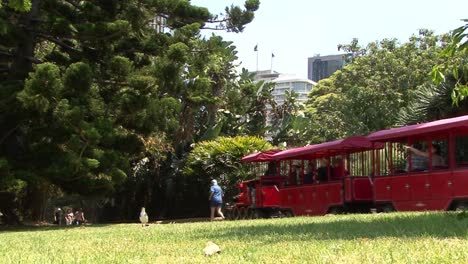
(432,102)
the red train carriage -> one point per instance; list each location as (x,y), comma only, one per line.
(422,167)
(337,177)
(259,197)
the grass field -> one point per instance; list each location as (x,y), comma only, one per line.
(371,238)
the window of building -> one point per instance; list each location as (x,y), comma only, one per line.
(299,87)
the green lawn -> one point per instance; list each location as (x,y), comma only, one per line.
(371,238)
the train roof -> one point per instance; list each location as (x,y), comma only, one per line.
(460,122)
(263,156)
(357,143)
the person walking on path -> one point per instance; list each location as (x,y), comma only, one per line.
(216,200)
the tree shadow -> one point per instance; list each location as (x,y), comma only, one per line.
(437,225)
(36,228)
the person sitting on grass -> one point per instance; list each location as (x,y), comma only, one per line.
(69,217)
(79,217)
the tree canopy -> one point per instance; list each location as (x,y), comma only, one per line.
(369,92)
(89,89)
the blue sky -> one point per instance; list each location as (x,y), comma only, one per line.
(297,29)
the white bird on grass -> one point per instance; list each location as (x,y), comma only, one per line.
(211,249)
(143,217)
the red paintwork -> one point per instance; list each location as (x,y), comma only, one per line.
(422,205)
(382,189)
(430,190)
(456,123)
(312,199)
(361,189)
(418,191)
(265,195)
(261,156)
(440,184)
(352,143)
(459,184)
(268,197)
(348,187)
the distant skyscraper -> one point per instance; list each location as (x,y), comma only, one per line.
(321,67)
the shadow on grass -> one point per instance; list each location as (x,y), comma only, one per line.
(437,225)
(34,228)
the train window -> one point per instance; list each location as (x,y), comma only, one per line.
(270,169)
(439,154)
(285,169)
(382,158)
(338,167)
(399,157)
(391,159)
(309,172)
(418,156)
(461,151)
(360,163)
(323,170)
(296,173)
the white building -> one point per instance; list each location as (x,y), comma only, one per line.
(285,82)
(159,24)
(301,86)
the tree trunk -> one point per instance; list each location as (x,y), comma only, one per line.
(22,62)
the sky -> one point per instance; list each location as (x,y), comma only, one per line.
(294,30)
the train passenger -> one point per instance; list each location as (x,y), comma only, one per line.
(437,159)
(418,158)
(309,175)
(322,171)
(338,171)
(271,169)
(296,174)
(252,191)
(422,157)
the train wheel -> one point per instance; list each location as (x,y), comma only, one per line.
(461,207)
(228,214)
(245,214)
(288,213)
(250,213)
(335,210)
(241,213)
(388,208)
(258,214)
(235,214)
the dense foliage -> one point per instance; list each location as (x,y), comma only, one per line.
(89,90)
(96,103)
(370,91)
(456,64)
(220,159)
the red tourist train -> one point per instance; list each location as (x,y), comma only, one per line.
(412,168)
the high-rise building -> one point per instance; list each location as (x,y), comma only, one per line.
(300,86)
(321,67)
